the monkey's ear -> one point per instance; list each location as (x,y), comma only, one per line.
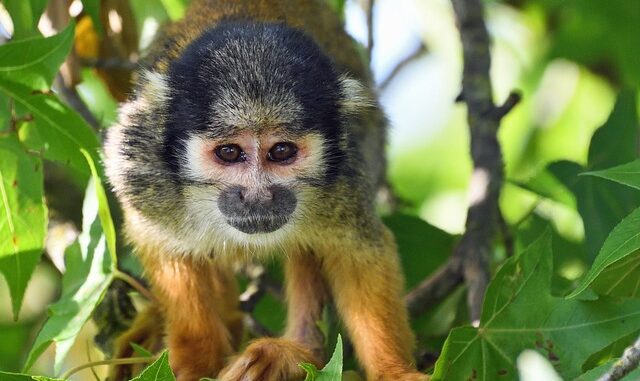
(356,97)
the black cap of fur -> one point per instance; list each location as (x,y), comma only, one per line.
(261,58)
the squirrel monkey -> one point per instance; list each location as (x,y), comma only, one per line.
(253,130)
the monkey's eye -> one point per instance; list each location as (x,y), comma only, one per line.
(282,152)
(230,153)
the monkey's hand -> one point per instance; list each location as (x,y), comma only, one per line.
(269,360)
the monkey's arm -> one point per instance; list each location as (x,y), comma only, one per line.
(199,307)
(307,294)
(277,359)
(366,283)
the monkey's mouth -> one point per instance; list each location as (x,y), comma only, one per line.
(258,224)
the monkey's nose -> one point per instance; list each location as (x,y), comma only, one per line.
(257,211)
(250,199)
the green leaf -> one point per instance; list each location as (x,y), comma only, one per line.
(5,376)
(422,247)
(620,255)
(600,203)
(103,210)
(34,62)
(615,142)
(25,15)
(23,217)
(520,313)
(89,271)
(140,351)
(548,186)
(331,372)
(159,370)
(56,130)
(597,33)
(627,174)
(312,371)
(92,7)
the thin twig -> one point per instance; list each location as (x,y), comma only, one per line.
(417,53)
(370,26)
(93,371)
(133,282)
(72,98)
(110,63)
(629,361)
(130,360)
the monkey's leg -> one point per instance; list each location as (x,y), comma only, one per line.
(189,292)
(367,287)
(277,359)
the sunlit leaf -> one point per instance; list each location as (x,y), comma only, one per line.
(34,62)
(55,129)
(627,174)
(520,313)
(25,15)
(175,8)
(23,216)
(159,370)
(104,213)
(89,271)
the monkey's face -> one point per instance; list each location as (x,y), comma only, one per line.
(254,183)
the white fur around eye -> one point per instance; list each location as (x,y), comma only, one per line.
(197,162)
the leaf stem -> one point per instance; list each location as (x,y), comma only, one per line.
(133,282)
(130,360)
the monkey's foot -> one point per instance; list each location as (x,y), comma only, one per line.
(147,332)
(269,360)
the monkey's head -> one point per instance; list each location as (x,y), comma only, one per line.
(239,140)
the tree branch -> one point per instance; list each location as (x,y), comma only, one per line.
(483,117)
(433,289)
(630,360)
(470,259)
